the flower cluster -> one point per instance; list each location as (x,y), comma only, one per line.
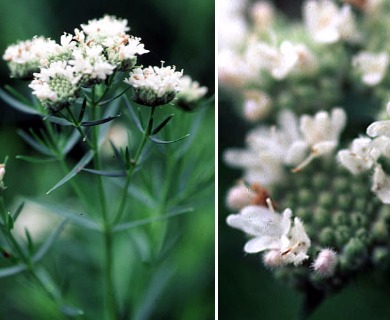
(87,57)
(154,86)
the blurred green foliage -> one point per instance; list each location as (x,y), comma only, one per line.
(179,286)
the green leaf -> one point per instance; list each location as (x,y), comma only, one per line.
(76,217)
(35,159)
(83,162)
(98,122)
(60,121)
(112,99)
(162,124)
(112,174)
(49,242)
(9,222)
(82,110)
(137,223)
(18,211)
(7,272)
(30,243)
(38,146)
(118,155)
(133,116)
(155,140)
(17,104)
(71,142)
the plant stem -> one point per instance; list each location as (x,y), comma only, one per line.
(110,295)
(312,300)
(134,164)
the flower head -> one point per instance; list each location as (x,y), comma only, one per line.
(325,263)
(190,93)
(154,86)
(24,57)
(56,86)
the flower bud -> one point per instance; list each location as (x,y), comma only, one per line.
(272,259)
(2,172)
(239,197)
(257,105)
(325,263)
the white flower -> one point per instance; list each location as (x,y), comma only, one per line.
(108,26)
(268,150)
(381,184)
(372,66)
(233,71)
(326,23)
(123,50)
(190,91)
(278,61)
(154,86)
(257,105)
(321,133)
(57,85)
(380,128)
(325,263)
(272,231)
(91,63)
(24,58)
(361,156)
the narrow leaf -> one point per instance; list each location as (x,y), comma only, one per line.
(98,122)
(60,121)
(17,104)
(82,110)
(76,217)
(18,211)
(49,242)
(106,173)
(71,141)
(18,95)
(155,140)
(83,162)
(6,272)
(112,99)
(118,155)
(133,116)
(35,159)
(36,145)
(30,243)
(137,223)
(162,124)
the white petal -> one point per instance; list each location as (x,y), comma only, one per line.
(379,128)
(381,185)
(261,243)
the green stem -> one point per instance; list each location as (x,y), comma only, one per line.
(110,295)
(134,163)
(312,300)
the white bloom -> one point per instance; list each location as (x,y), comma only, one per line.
(278,61)
(372,66)
(108,26)
(56,85)
(321,133)
(153,85)
(325,263)
(380,128)
(91,63)
(24,58)
(326,23)
(381,184)
(232,70)
(232,26)
(190,91)
(268,150)
(361,157)
(272,231)
(257,105)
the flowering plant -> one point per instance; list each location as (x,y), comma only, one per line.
(93,96)
(310,88)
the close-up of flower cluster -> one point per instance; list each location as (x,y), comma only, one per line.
(314,188)
(115,179)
